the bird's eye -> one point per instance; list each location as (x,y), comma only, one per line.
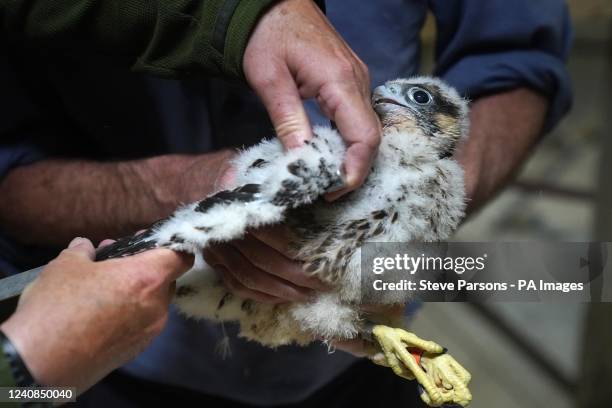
(420,96)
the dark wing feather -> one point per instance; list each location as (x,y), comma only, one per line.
(134,244)
(129,245)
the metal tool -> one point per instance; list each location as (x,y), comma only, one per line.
(14,285)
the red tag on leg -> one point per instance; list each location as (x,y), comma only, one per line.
(417,354)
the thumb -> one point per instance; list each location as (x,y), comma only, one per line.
(170,264)
(282,100)
(82,246)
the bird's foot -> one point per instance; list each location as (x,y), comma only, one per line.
(442,378)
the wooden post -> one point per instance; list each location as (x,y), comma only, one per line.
(596,378)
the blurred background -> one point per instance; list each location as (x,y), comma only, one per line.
(536,354)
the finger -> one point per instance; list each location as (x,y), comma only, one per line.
(273,262)
(358,124)
(413,340)
(170,264)
(238,289)
(281,98)
(226,180)
(375,353)
(255,279)
(357,164)
(278,237)
(80,247)
(105,242)
(355,347)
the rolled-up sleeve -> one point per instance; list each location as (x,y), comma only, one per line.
(18,153)
(490,46)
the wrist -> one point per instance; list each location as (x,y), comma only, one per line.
(159,177)
(171,180)
(21,376)
(239,30)
(202,176)
(27,367)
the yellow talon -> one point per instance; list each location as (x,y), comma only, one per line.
(443,379)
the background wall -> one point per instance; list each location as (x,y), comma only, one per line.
(531,355)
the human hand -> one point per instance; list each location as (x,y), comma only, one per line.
(388,314)
(259,267)
(81,319)
(294,53)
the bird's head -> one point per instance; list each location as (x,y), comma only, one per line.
(423,107)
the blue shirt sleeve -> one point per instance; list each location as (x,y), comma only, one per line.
(19,130)
(18,153)
(23,140)
(490,46)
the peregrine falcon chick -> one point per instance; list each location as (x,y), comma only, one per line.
(414,193)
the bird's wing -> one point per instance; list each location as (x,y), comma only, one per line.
(145,240)
(294,179)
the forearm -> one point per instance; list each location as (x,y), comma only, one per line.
(52,201)
(504,128)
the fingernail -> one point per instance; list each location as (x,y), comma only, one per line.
(331,197)
(339,183)
(293,140)
(77,241)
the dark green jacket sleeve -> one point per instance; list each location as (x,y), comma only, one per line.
(171,38)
